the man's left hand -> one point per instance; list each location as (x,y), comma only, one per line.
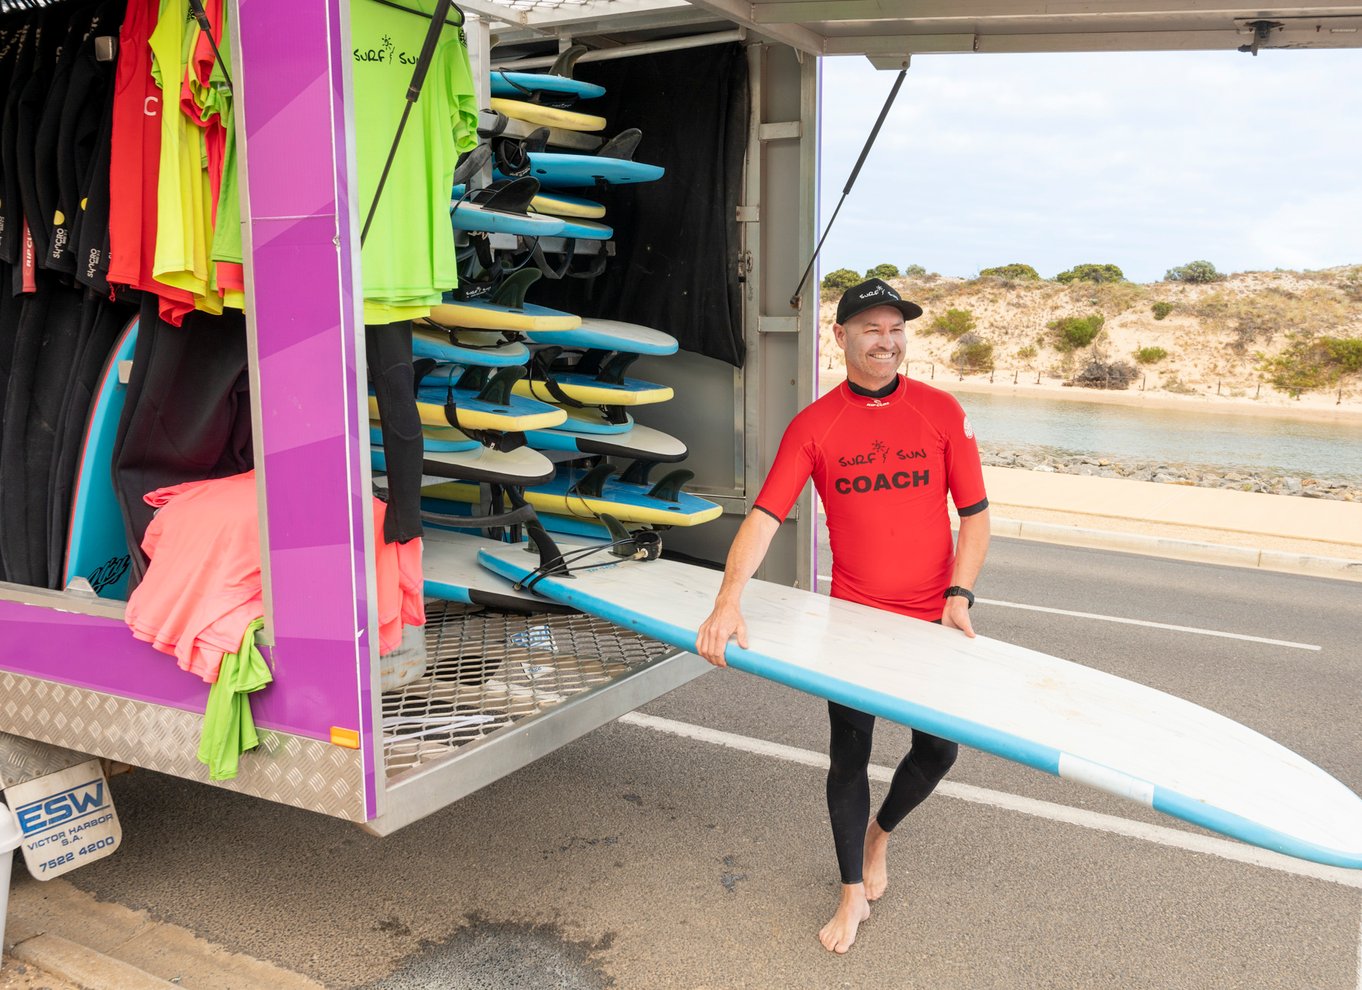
(956,615)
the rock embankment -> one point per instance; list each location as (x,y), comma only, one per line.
(1168,473)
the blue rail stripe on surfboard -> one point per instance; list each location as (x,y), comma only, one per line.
(964,731)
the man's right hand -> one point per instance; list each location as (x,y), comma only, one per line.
(723,624)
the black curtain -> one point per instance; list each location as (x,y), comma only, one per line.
(677,239)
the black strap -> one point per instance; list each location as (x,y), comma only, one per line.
(418,80)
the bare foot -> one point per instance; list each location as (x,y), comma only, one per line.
(876,868)
(838,934)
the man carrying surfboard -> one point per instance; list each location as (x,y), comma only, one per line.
(883,451)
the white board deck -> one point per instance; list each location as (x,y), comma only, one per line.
(1061,717)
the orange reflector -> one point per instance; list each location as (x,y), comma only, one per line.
(349,738)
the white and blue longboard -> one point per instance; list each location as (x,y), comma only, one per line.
(613,335)
(96,542)
(640,442)
(470,348)
(1069,720)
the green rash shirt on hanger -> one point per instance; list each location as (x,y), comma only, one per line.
(408,258)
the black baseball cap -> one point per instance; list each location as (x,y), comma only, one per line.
(871,293)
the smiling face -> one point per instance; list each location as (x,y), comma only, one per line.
(874,342)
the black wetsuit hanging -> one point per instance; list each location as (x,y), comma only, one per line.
(187,412)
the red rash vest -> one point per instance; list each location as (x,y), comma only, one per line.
(882,467)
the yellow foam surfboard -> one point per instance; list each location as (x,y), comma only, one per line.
(561,504)
(582,388)
(533,113)
(567,206)
(475,415)
(487,316)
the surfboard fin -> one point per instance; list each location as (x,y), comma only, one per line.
(646,544)
(615,415)
(593,482)
(637,472)
(672,484)
(473,379)
(511,292)
(567,61)
(498,388)
(622,145)
(507,196)
(612,371)
(618,535)
(535,141)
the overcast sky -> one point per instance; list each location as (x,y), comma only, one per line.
(1143,160)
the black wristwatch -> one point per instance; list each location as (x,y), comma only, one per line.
(964,593)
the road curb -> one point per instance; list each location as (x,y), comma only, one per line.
(1190,550)
(84,966)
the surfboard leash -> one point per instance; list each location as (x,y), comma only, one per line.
(646,545)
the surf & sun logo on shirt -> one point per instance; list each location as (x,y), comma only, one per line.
(385,52)
(880,453)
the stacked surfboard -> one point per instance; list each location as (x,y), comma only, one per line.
(551,390)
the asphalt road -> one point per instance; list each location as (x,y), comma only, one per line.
(637,858)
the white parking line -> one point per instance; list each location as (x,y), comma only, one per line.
(1152,625)
(1158,834)
(1140,622)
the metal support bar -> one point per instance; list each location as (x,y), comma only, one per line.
(628,51)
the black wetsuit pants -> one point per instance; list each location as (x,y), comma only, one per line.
(928,760)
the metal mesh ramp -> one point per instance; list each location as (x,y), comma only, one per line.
(488,670)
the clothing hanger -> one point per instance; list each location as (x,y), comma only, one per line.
(411,10)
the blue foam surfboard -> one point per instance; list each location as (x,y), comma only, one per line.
(429,342)
(627,502)
(592,421)
(560,170)
(514,84)
(96,544)
(471,216)
(1064,718)
(433,444)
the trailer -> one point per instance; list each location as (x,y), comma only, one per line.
(76,687)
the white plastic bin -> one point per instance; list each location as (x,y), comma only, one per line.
(10,838)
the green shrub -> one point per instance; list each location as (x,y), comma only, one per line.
(973,354)
(1161,309)
(914,271)
(1101,374)
(1308,364)
(1091,273)
(1150,355)
(1069,333)
(1015,272)
(954,323)
(841,280)
(883,271)
(1194,271)
(1026,353)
